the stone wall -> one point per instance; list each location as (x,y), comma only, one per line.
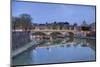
(20,39)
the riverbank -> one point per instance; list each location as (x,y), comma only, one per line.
(81,37)
(20,39)
(22,49)
(34,44)
(84,37)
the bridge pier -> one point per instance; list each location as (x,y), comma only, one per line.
(51,38)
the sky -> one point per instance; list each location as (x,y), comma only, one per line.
(44,12)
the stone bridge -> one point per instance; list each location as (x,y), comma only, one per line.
(48,32)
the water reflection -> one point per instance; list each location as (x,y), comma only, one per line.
(69,41)
(67,49)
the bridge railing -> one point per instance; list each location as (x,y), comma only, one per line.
(53,30)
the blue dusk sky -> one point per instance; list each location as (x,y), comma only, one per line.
(44,12)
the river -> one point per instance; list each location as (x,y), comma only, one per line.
(58,51)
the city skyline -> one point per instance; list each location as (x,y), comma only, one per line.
(55,12)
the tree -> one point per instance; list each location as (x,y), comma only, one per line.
(26,21)
(15,22)
(75,24)
(67,23)
(54,25)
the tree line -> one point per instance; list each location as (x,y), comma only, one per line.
(24,21)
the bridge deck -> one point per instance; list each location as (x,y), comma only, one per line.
(54,30)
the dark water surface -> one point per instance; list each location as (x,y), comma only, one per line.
(72,50)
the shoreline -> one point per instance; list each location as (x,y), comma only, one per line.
(33,43)
(22,49)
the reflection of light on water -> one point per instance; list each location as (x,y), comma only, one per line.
(64,51)
(88,44)
(84,44)
(49,49)
(34,51)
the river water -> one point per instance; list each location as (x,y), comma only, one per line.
(58,51)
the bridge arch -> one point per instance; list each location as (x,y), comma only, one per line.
(70,33)
(56,34)
(37,36)
(38,33)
